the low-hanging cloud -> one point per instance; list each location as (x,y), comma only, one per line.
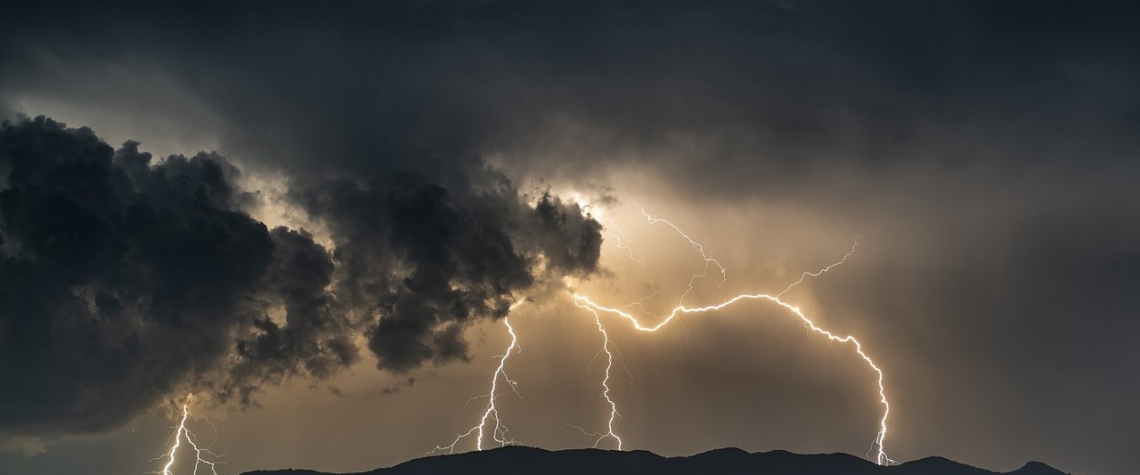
(125,279)
(429,264)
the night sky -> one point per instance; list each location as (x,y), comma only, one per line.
(316,217)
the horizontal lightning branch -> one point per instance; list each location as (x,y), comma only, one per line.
(881,457)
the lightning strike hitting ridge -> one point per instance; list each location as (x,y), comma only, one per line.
(614,415)
(499,434)
(681,309)
(880,438)
(586,303)
(182,432)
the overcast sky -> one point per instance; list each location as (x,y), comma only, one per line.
(315,218)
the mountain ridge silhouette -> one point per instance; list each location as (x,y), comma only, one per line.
(530,460)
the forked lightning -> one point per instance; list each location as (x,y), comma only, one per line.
(586,303)
(499,434)
(202,456)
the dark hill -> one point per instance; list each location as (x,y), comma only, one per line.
(528,461)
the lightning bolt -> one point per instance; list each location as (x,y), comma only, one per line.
(821,271)
(881,458)
(614,415)
(181,432)
(620,239)
(697,247)
(585,302)
(499,434)
(608,347)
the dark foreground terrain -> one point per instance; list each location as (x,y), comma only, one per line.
(527,461)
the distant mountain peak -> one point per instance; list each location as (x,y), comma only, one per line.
(520,460)
(1037,468)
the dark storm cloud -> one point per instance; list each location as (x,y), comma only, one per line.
(426,240)
(759,90)
(124,279)
(113,294)
(463,261)
(316,338)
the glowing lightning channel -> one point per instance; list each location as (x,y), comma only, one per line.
(620,239)
(499,434)
(182,432)
(881,458)
(614,415)
(696,246)
(585,303)
(821,271)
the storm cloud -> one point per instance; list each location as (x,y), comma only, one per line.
(126,279)
(464,261)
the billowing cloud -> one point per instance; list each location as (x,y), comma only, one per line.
(125,279)
(429,262)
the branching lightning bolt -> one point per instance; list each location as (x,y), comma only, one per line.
(696,246)
(620,239)
(181,432)
(880,438)
(499,434)
(586,303)
(821,271)
(614,415)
